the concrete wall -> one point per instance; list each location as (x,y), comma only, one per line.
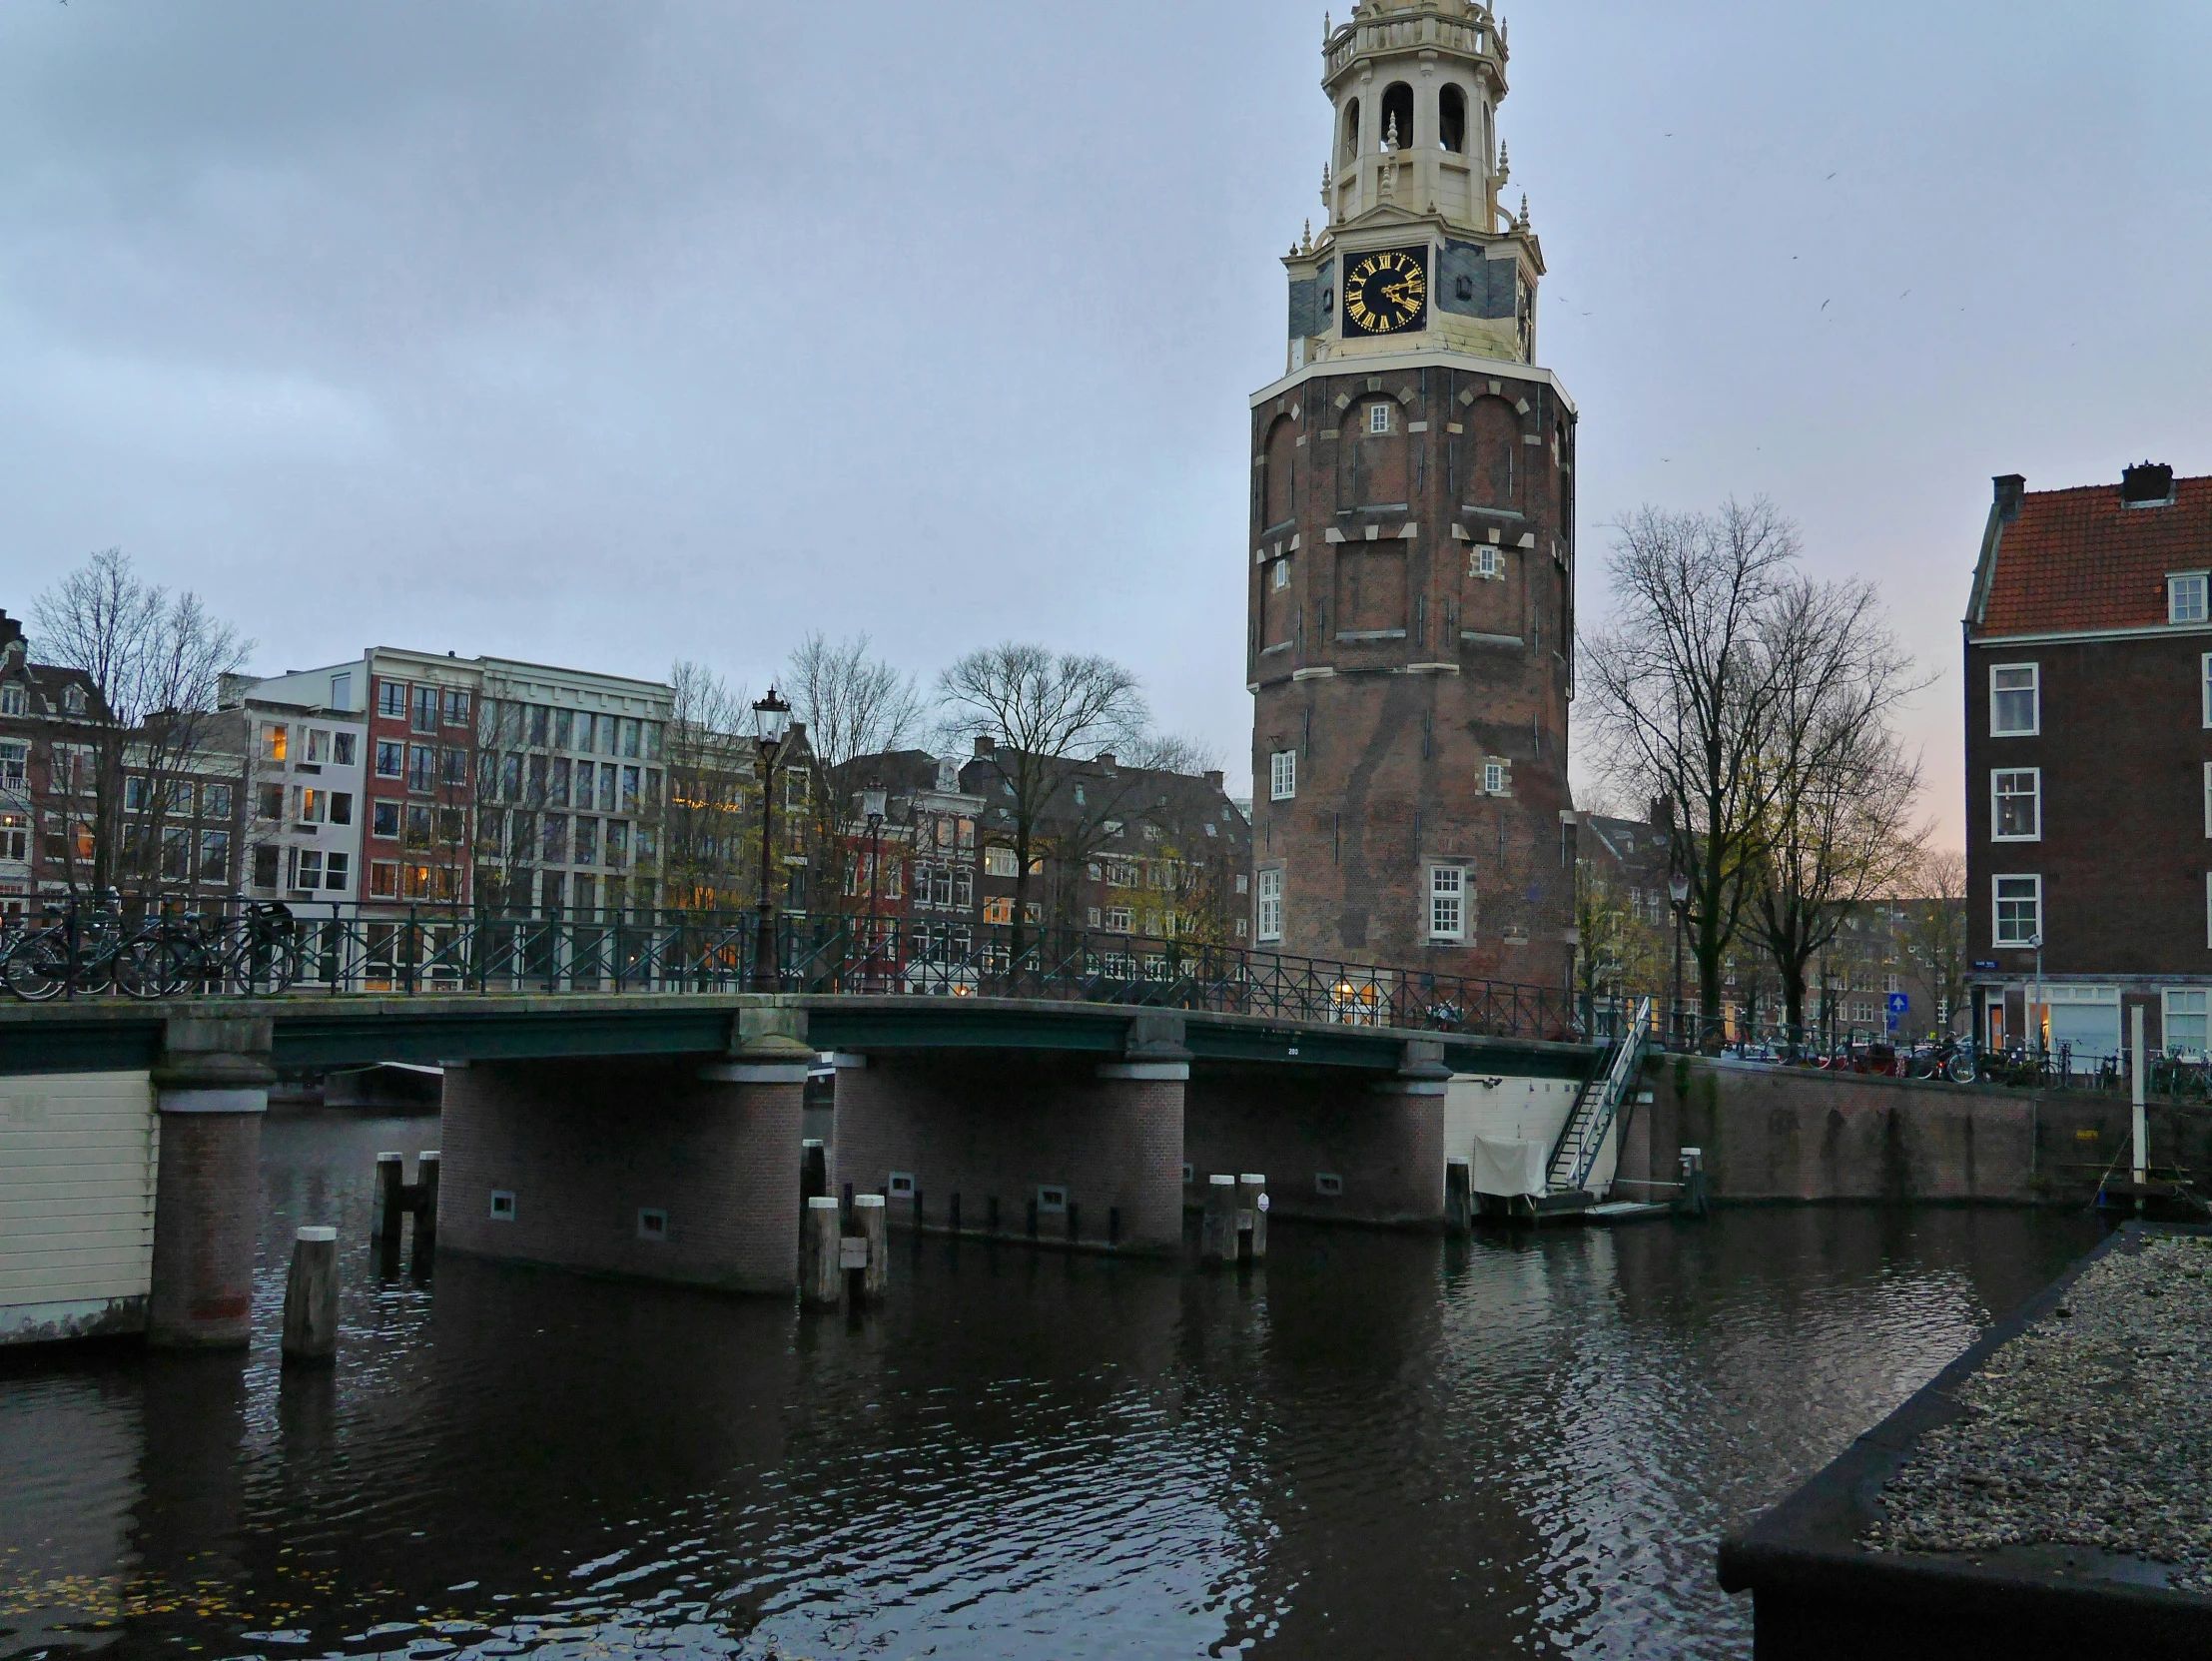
(584,1146)
(1775,1134)
(1005,1124)
(1387,1149)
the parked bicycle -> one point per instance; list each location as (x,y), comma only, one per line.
(80,947)
(198,953)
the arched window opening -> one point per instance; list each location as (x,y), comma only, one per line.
(1397,115)
(1351,132)
(1451,121)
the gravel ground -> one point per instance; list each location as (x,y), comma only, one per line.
(2092,1428)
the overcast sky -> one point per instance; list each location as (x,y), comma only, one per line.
(607,335)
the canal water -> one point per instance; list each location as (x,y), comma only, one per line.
(1375,1446)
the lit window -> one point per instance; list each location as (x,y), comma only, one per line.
(1282,775)
(999,909)
(2020,910)
(383,880)
(2185,600)
(1271,905)
(2016,700)
(273,743)
(1000,862)
(1378,418)
(2017,805)
(1447,902)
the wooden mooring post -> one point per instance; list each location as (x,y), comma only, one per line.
(1217,1224)
(396,1201)
(1459,1197)
(872,1230)
(310,1299)
(1251,1217)
(821,1271)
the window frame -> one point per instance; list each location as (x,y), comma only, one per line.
(2201,582)
(1447,885)
(1378,419)
(1269,903)
(1997,899)
(2035,796)
(1493,778)
(1282,775)
(2034,689)
(2167,996)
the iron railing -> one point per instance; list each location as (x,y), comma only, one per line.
(340,949)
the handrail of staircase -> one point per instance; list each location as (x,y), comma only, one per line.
(1619,1074)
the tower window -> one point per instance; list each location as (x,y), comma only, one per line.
(1397,115)
(1351,131)
(1282,775)
(1447,902)
(1282,577)
(1493,778)
(1485,561)
(1451,120)
(1378,418)
(1271,905)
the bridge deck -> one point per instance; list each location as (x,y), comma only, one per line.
(102,1035)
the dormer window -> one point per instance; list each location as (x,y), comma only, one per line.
(73,700)
(2185,598)
(11,700)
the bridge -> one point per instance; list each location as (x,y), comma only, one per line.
(658,1132)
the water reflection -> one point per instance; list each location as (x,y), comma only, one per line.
(1373,1444)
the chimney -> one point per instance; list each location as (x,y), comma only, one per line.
(11,640)
(2147,484)
(1106,760)
(985,746)
(2011,487)
(1213,778)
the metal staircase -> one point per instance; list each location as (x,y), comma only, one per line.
(1600,1100)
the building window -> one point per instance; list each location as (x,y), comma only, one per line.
(1282,573)
(998,862)
(2020,910)
(1119,920)
(73,700)
(214,856)
(999,909)
(341,749)
(1447,902)
(2016,804)
(2205,687)
(319,744)
(264,865)
(1282,775)
(391,699)
(2016,700)
(11,699)
(1271,905)
(269,802)
(384,819)
(307,868)
(273,743)
(1378,418)
(342,692)
(1493,778)
(421,767)
(217,802)
(1483,561)
(2185,599)
(2183,1025)
(391,759)
(457,709)
(383,880)
(425,709)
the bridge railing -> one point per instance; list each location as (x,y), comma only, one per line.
(348,948)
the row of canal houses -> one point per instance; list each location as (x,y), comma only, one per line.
(404,783)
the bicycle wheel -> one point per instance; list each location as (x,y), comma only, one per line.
(1961,1068)
(151,966)
(36,968)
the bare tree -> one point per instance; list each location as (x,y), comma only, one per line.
(1934,896)
(1043,710)
(1684,687)
(157,661)
(854,706)
(709,822)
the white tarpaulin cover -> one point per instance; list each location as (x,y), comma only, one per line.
(1509,1167)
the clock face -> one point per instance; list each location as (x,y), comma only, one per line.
(1387,292)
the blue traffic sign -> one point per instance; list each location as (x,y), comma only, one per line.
(1899,1003)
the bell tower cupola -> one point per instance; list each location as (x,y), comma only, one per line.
(1415,87)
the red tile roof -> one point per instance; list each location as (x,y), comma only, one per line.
(2078,560)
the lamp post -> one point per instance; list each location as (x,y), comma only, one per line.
(2037,1015)
(770,721)
(873,801)
(1678,889)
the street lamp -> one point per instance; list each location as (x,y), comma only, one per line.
(1678,889)
(873,801)
(2037,1015)
(771,722)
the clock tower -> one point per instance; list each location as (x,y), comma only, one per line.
(1412,551)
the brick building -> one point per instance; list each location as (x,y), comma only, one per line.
(171,813)
(1412,538)
(2088,655)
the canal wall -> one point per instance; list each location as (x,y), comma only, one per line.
(1788,1133)
(1332,1149)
